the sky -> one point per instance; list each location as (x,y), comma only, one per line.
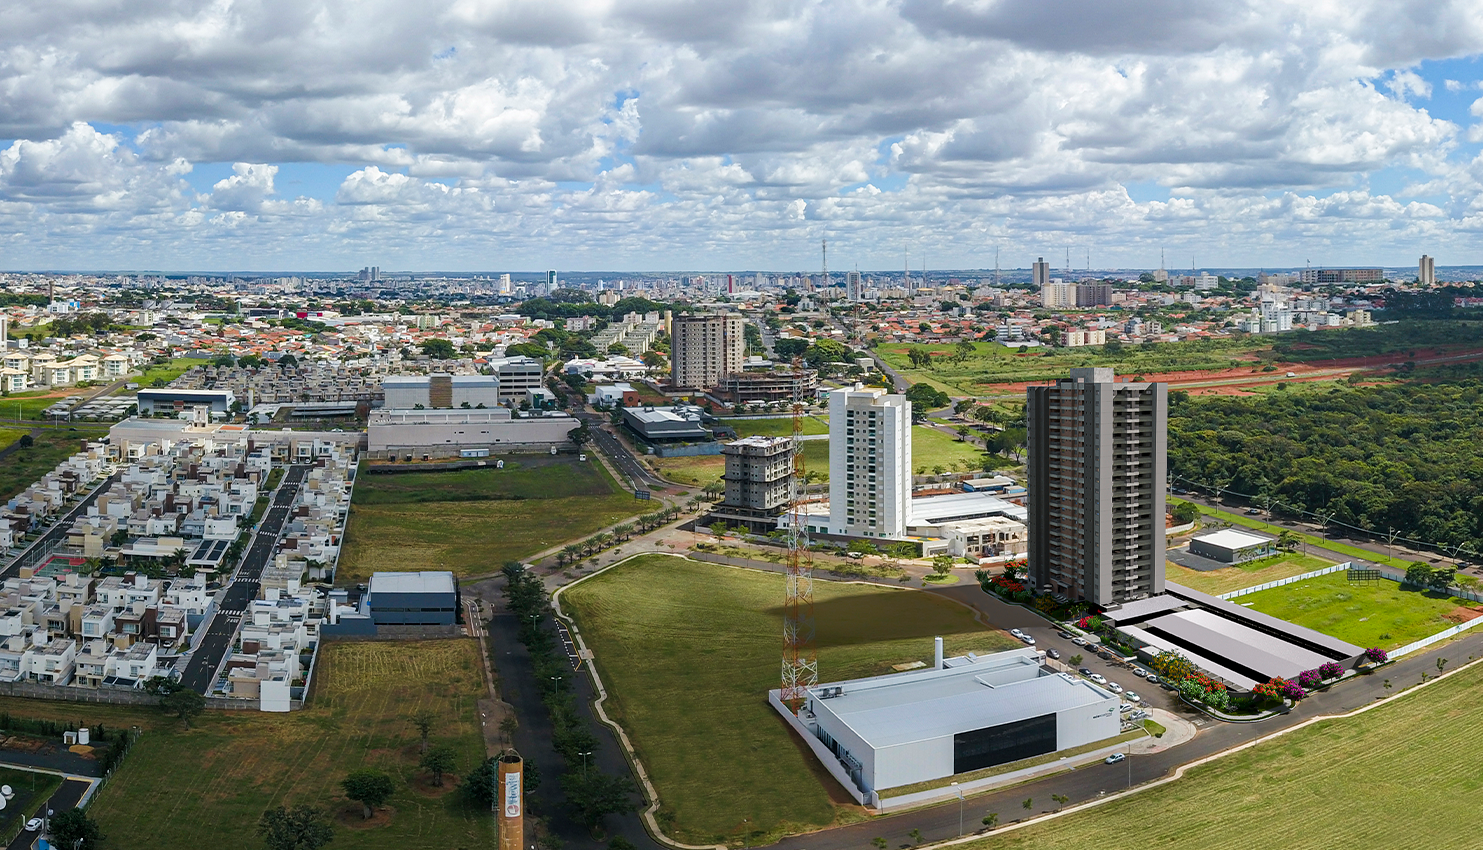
(501,135)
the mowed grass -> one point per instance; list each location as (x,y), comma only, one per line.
(165,373)
(10,435)
(688,652)
(1379,613)
(485,518)
(695,471)
(931,448)
(1340,780)
(777,427)
(24,467)
(208,786)
(1216,582)
(30,404)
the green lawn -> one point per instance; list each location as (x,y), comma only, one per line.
(504,515)
(1364,613)
(161,375)
(1236,518)
(688,652)
(30,404)
(22,468)
(777,427)
(10,435)
(1331,784)
(31,790)
(206,787)
(1216,582)
(931,448)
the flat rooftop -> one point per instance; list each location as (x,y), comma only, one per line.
(967,694)
(427,581)
(955,507)
(1230,538)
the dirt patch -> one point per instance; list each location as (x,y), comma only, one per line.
(81,749)
(350,816)
(423,784)
(1462,614)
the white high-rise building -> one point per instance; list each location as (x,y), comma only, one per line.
(1057,294)
(1426,272)
(852,286)
(869,463)
(504,284)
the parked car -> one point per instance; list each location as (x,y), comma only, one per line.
(1016,632)
(1053,653)
(1029,639)
(1127,706)
(1138,715)
(1139,672)
(1063,635)
(1085,672)
(1079,641)
(1115,758)
(1253,512)
(1152,679)
(1114,687)
(1099,678)
(1132,697)
(33,824)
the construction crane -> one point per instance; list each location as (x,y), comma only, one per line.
(800,658)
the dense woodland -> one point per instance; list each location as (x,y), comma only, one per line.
(1407,457)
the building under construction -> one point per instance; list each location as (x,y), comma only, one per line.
(759,483)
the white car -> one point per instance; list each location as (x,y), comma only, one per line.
(1127,706)
(1152,679)
(1016,632)
(1132,697)
(1029,639)
(1079,641)
(1139,672)
(33,824)
(1114,687)
(1099,678)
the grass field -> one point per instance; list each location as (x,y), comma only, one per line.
(695,471)
(1237,518)
(10,435)
(1331,778)
(161,375)
(484,518)
(1363,613)
(688,652)
(931,448)
(29,404)
(1216,582)
(206,787)
(782,427)
(22,468)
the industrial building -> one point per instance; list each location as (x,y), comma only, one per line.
(464,433)
(1097,471)
(703,348)
(1230,546)
(963,714)
(869,463)
(759,482)
(412,599)
(434,392)
(177,401)
(678,424)
(516,376)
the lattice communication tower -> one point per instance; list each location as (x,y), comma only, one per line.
(800,658)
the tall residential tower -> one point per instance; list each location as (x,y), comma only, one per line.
(1097,468)
(869,463)
(706,348)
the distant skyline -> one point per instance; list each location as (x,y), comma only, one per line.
(626,135)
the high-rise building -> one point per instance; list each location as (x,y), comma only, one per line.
(1093,294)
(551,282)
(759,481)
(1042,273)
(852,286)
(505,287)
(1097,469)
(704,348)
(869,463)
(1427,271)
(1057,293)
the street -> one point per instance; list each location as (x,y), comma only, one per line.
(207,657)
(62,799)
(58,529)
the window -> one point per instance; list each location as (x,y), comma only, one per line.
(995,745)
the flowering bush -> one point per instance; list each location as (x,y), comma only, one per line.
(1277,689)
(1006,585)
(1310,678)
(1293,691)
(1330,670)
(1376,655)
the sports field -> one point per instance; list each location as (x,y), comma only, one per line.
(206,787)
(473,521)
(1216,582)
(688,652)
(1379,613)
(1394,777)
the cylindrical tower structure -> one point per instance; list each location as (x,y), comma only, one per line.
(509,801)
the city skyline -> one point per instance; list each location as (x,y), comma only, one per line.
(624,136)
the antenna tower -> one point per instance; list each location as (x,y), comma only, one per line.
(800,659)
(996,268)
(824,245)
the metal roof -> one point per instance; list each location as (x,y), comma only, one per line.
(1230,538)
(1238,644)
(427,581)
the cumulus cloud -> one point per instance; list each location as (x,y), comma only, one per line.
(685,133)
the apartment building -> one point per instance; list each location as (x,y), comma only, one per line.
(705,348)
(759,482)
(1097,468)
(869,463)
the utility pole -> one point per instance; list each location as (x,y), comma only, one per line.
(959,789)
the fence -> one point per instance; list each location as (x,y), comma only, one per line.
(63,693)
(1289,580)
(1436,638)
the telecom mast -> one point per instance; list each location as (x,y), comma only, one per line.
(800,659)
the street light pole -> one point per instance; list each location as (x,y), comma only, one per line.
(584,762)
(960,808)
(1129,760)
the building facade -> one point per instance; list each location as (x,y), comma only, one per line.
(869,463)
(759,482)
(705,348)
(1426,271)
(1097,469)
(435,392)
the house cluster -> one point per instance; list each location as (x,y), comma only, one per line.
(49,497)
(21,369)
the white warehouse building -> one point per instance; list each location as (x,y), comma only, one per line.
(965,714)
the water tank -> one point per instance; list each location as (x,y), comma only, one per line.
(6,792)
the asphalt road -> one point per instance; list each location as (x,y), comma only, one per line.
(621,457)
(207,657)
(59,528)
(62,799)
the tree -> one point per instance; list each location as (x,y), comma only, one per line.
(437,761)
(878,843)
(1185,513)
(942,564)
(184,703)
(288,361)
(370,788)
(916,836)
(73,829)
(507,727)
(1029,803)
(423,722)
(438,349)
(593,795)
(303,827)
(1060,800)
(991,820)
(1441,663)
(1074,660)
(1288,540)
(25,441)
(925,397)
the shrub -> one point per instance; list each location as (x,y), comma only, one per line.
(1330,670)
(1376,655)
(1293,691)
(1310,678)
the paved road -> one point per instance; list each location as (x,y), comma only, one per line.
(207,657)
(621,457)
(62,799)
(59,528)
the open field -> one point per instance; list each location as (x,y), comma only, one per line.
(782,427)
(1337,779)
(1379,613)
(395,527)
(931,448)
(688,651)
(21,468)
(695,471)
(1257,523)
(29,404)
(206,787)
(161,375)
(1216,582)
(10,435)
